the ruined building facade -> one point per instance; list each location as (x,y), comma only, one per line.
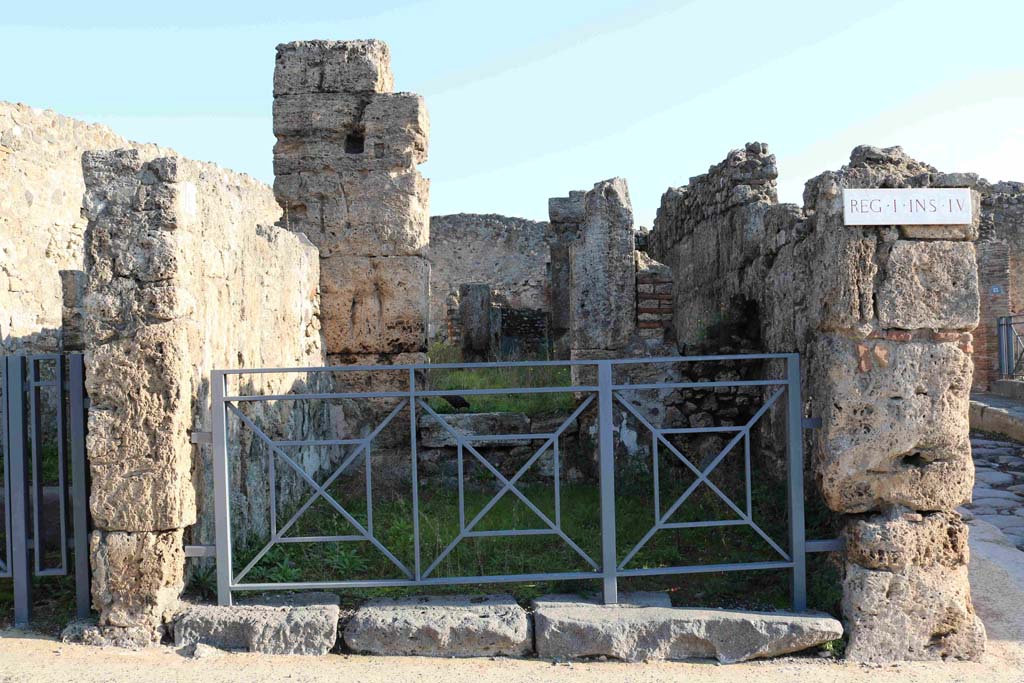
(882,318)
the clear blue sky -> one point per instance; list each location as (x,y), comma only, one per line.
(530,99)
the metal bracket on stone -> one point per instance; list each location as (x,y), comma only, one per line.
(202,438)
(200,551)
(811,423)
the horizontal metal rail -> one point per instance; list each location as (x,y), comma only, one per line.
(780,392)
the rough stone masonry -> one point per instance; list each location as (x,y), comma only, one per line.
(345,175)
(183,273)
(882,318)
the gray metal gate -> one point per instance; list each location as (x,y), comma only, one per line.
(780,391)
(45,506)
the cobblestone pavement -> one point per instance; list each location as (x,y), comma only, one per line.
(998,485)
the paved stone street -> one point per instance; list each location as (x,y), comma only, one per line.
(998,485)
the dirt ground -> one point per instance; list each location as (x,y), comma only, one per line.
(997,578)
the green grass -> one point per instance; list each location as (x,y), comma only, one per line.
(535,554)
(533,405)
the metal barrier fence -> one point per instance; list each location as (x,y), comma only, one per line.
(1011,346)
(606,394)
(45,505)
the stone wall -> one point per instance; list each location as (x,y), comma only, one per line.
(1001,270)
(41,223)
(184,272)
(509,254)
(882,319)
(994,293)
(345,174)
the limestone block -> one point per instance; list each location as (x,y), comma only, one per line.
(333,66)
(635,632)
(139,415)
(929,285)
(374,305)
(300,624)
(911,614)
(376,214)
(433,435)
(441,626)
(136,577)
(602,267)
(895,427)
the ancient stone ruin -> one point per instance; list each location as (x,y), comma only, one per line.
(882,319)
(163,269)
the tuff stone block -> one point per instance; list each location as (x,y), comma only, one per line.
(350,133)
(375,304)
(916,613)
(136,577)
(333,66)
(895,426)
(929,285)
(376,214)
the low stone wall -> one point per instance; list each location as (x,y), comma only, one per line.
(508,254)
(882,318)
(41,223)
(184,272)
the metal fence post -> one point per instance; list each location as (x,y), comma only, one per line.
(79,483)
(794,433)
(221,489)
(1001,346)
(21,570)
(607,468)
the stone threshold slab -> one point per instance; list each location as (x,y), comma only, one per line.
(441,626)
(299,624)
(644,628)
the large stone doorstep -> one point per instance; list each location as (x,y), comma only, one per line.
(441,626)
(568,628)
(303,624)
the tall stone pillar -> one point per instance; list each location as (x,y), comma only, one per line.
(565,215)
(345,175)
(889,311)
(601,268)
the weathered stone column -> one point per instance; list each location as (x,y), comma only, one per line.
(184,272)
(602,269)
(345,175)
(890,375)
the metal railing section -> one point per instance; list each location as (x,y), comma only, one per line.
(24,422)
(606,394)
